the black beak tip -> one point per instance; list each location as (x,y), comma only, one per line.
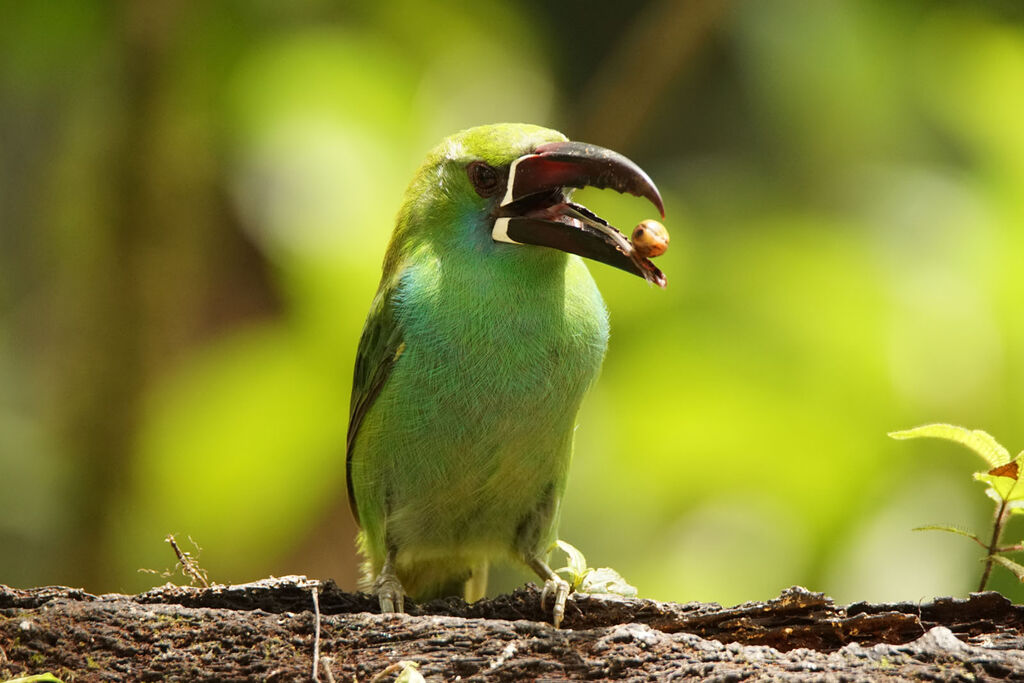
(658,203)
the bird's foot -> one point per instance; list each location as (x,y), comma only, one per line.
(554,585)
(389,591)
(559,588)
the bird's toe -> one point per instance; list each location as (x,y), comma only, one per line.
(559,589)
(390,593)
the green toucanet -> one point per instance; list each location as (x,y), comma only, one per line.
(484,334)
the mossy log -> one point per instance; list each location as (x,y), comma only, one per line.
(268,630)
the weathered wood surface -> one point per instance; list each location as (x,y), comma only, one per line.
(266,631)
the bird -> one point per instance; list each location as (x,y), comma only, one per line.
(485,332)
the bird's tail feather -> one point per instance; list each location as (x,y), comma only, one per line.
(476,584)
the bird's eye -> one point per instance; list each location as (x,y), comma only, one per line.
(484,178)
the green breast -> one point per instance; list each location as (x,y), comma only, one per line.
(475,424)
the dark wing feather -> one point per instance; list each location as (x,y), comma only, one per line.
(379,349)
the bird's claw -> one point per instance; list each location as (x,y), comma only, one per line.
(390,593)
(560,589)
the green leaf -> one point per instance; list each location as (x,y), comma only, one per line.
(585,579)
(577,563)
(952,530)
(1006,488)
(991,492)
(1016,568)
(607,581)
(576,569)
(38,678)
(981,442)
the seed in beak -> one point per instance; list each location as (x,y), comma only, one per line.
(650,239)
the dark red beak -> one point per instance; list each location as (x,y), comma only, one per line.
(534,209)
(577,164)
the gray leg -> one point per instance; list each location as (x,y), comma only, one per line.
(387,586)
(530,534)
(553,585)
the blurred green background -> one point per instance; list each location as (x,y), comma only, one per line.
(195,198)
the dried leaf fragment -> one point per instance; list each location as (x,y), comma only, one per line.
(1010,469)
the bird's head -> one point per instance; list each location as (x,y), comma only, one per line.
(509,186)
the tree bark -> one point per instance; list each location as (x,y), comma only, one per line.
(268,631)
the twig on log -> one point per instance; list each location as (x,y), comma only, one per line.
(315,590)
(187,565)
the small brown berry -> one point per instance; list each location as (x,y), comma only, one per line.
(650,239)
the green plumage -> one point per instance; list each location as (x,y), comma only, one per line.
(470,372)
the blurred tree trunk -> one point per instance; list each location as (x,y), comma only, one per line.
(108,373)
(654,54)
(177,267)
(133,257)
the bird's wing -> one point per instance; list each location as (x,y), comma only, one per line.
(379,349)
